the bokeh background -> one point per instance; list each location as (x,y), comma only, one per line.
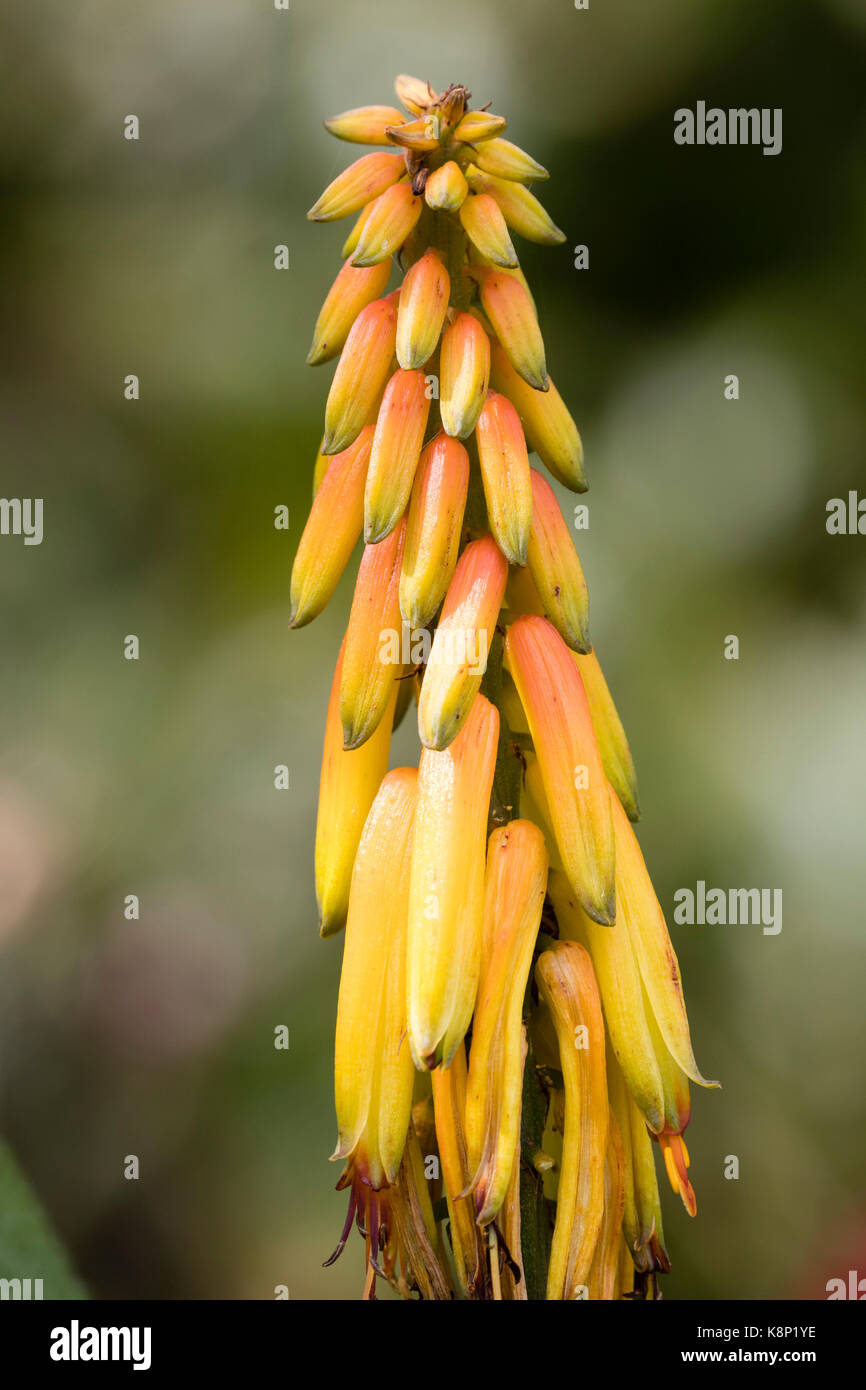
(707,518)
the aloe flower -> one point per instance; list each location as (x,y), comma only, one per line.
(512,1053)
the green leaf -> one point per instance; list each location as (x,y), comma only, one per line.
(29,1248)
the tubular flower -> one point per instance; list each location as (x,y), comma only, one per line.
(499,1123)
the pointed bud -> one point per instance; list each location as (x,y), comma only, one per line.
(433,527)
(365,125)
(373,1069)
(391,219)
(507,161)
(621,992)
(349,783)
(642,914)
(415,94)
(446,188)
(395,453)
(421,134)
(485,227)
(520,208)
(423,305)
(320,468)
(550,431)
(577,793)
(351,292)
(567,986)
(364,180)
(362,371)
(479,125)
(510,311)
(331,532)
(458,657)
(371,662)
(612,743)
(464,374)
(446,897)
(351,243)
(513,900)
(555,568)
(505,473)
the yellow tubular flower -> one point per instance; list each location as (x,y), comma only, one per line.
(348,785)
(464,374)
(604,1271)
(391,219)
(485,227)
(331,532)
(421,135)
(520,208)
(613,745)
(370,663)
(555,568)
(367,178)
(423,305)
(576,790)
(567,986)
(505,473)
(512,314)
(449,1103)
(446,896)
(353,289)
(513,900)
(395,452)
(479,125)
(363,369)
(433,528)
(458,657)
(373,1068)
(446,188)
(550,431)
(365,125)
(507,161)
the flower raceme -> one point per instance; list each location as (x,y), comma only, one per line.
(512,1047)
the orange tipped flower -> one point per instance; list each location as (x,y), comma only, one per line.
(479,125)
(513,900)
(449,1099)
(331,532)
(567,986)
(446,896)
(550,431)
(464,372)
(348,785)
(520,208)
(508,161)
(351,292)
(433,526)
(677,1161)
(575,786)
(555,568)
(362,371)
(485,227)
(506,474)
(371,662)
(365,125)
(423,305)
(612,743)
(446,188)
(395,453)
(373,1068)
(458,657)
(510,311)
(367,178)
(604,1271)
(391,219)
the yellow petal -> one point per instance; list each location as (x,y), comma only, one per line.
(506,476)
(362,371)
(458,657)
(555,568)
(433,528)
(605,1262)
(612,743)
(391,219)
(446,187)
(464,373)
(449,1099)
(349,783)
(479,125)
(510,311)
(550,430)
(395,453)
(365,125)
(371,663)
(423,305)
(415,94)
(421,134)
(351,292)
(331,532)
(446,899)
(367,178)
(577,792)
(485,227)
(520,208)
(508,161)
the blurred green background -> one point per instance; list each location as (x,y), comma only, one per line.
(707,518)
